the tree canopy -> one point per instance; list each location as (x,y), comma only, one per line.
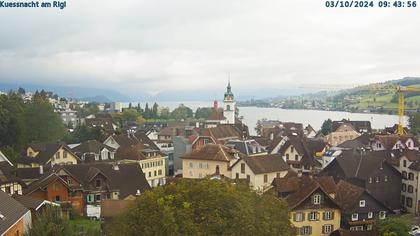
(182,112)
(326,127)
(394,226)
(23,122)
(414,122)
(205,207)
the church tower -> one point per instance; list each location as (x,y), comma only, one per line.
(229,106)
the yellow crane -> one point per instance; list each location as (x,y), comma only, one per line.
(400,90)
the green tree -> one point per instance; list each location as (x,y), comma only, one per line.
(326,127)
(203,112)
(414,123)
(83,133)
(50,223)
(182,112)
(42,123)
(155,110)
(205,207)
(394,226)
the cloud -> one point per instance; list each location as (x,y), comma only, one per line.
(190,45)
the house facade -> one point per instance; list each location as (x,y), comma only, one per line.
(209,160)
(260,171)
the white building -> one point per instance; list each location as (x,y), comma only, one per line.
(229,106)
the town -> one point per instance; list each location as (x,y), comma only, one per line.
(345,179)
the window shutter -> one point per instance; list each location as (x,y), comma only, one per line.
(303,216)
(323,229)
(324,216)
(310,229)
(332,215)
(294,216)
(318,215)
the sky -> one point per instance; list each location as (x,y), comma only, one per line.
(188,46)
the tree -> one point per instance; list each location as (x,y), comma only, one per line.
(326,127)
(21,91)
(394,226)
(414,123)
(50,223)
(203,112)
(155,110)
(83,133)
(42,123)
(182,112)
(205,207)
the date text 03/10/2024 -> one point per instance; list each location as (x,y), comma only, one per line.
(370,4)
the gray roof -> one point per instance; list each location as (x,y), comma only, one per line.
(11,210)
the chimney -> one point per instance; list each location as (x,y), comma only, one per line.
(138,192)
(41,170)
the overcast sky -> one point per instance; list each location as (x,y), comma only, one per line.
(172,45)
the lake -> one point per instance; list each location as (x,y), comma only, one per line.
(313,117)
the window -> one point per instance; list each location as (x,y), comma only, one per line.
(354,216)
(362,203)
(305,230)
(150,174)
(404,187)
(57,198)
(405,163)
(292,149)
(386,178)
(382,215)
(265,178)
(369,227)
(278,175)
(296,157)
(200,165)
(409,202)
(243,168)
(237,176)
(191,165)
(228,107)
(8,190)
(404,174)
(98,197)
(377,179)
(64,154)
(402,200)
(317,199)
(159,172)
(154,173)
(370,215)
(328,215)
(326,229)
(57,186)
(410,176)
(299,216)
(370,180)
(98,183)
(312,216)
(410,189)
(356,228)
(287,156)
(57,155)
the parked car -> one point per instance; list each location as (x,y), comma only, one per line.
(415,230)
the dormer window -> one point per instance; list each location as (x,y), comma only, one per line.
(317,199)
(362,203)
(354,216)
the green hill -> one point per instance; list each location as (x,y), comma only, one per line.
(366,98)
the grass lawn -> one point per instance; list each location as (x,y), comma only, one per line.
(90,227)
